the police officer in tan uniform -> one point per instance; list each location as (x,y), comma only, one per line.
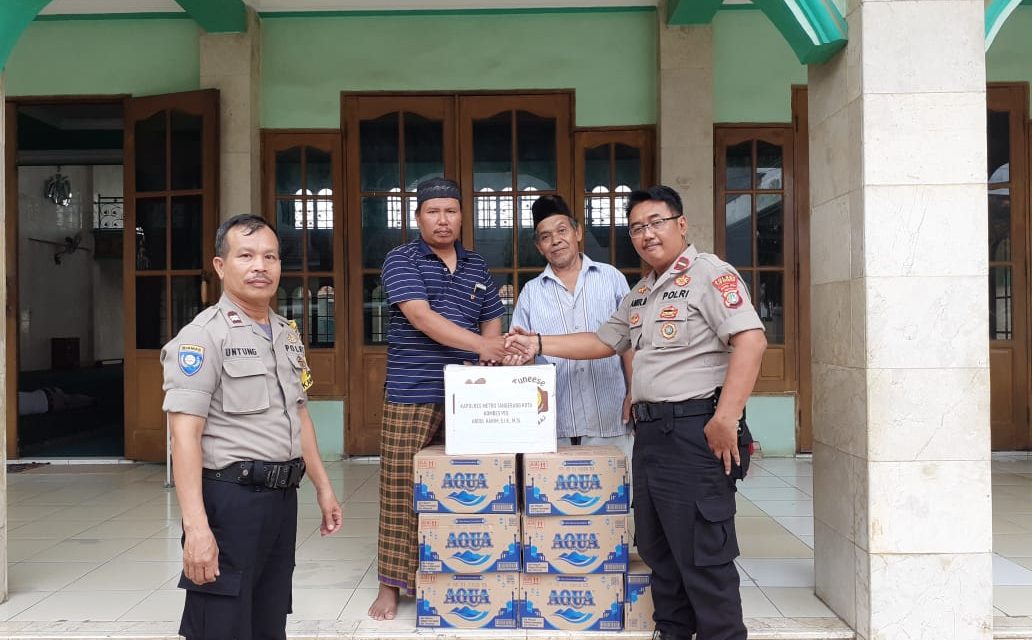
(235,390)
(697,344)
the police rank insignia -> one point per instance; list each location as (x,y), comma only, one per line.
(234,318)
(681,263)
(191,357)
(635,319)
(727,285)
(668,313)
(668,331)
(642,289)
(682,280)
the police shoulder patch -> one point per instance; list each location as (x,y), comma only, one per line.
(191,358)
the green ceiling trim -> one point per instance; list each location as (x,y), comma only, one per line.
(143,15)
(681,12)
(217,16)
(996,13)
(814,29)
(15,15)
(389,13)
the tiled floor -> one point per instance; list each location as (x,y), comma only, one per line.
(100,544)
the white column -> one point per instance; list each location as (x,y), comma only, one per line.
(685,123)
(902,504)
(3,345)
(231,63)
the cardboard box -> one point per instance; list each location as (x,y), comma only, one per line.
(464,484)
(450,543)
(558,544)
(483,601)
(638,606)
(576,481)
(572,603)
(499,409)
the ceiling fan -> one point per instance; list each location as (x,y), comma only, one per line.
(70,245)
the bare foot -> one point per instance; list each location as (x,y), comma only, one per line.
(386,603)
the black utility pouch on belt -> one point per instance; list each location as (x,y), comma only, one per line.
(745,442)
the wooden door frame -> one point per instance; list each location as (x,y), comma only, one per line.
(804,362)
(12,355)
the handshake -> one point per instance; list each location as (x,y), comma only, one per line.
(516,347)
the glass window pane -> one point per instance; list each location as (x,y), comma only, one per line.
(375,312)
(770,230)
(524,278)
(321,301)
(529,256)
(290,227)
(492,153)
(535,150)
(187,233)
(151,227)
(319,167)
(628,166)
(768,165)
(506,292)
(597,218)
(999,225)
(187,156)
(186,300)
(770,305)
(290,300)
(381,229)
(999,146)
(424,149)
(412,227)
(320,235)
(596,169)
(288,172)
(739,166)
(492,230)
(150,312)
(738,229)
(379,153)
(150,153)
(624,254)
(1001,304)
(633,278)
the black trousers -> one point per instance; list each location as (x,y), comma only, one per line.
(256,529)
(684,521)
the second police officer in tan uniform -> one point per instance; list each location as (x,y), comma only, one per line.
(235,388)
(697,344)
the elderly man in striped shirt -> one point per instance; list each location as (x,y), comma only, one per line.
(576,294)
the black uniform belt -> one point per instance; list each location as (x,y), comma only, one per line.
(273,475)
(649,411)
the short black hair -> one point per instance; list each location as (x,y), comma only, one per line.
(657,193)
(248,221)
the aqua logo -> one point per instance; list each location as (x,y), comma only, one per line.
(578,482)
(464,481)
(472,597)
(579,541)
(576,598)
(469,540)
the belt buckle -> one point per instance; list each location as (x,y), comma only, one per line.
(272,476)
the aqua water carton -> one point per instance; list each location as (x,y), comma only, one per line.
(638,607)
(576,481)
(482,601)
(464,484)
(454,543)
(564,545)
(571,603)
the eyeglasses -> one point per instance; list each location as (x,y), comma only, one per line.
(562,232)
(638,229)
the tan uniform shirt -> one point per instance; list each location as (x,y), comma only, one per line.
(223,367)
(680,325)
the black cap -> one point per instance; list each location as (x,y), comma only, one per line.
(548,206)
(437,188)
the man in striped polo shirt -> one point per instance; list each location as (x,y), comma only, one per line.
(444,309)
(576,294)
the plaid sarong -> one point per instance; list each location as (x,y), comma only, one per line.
(407,428)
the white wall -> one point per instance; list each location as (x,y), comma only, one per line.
(80,297)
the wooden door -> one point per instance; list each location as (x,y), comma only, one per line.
(171,200)
(1008,266)
(393,143)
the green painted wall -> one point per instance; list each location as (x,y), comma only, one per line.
(328,418)
(609,58)
(772,421)
(1010,57)
(753,69)
(138,57)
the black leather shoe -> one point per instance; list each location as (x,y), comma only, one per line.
(667,635)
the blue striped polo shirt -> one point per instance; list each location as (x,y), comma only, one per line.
(415,362)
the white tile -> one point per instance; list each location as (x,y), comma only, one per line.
(20,601)
(332,548)
(1009,573)
(356,509)
(1013,545)
(85,550)
(786,507)
(319,604)
(807,540)
(766,481)
(19,549)
(1014,601)
(93,606)
(779,572)
(330,574)
(158,606)
(127,575)
(788,466)
(28,512)
(357,608)
(762,494)
(756,605)
(798,525)
(124,529)
(46,576)
(158,549)
(797,602)
(58,530)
